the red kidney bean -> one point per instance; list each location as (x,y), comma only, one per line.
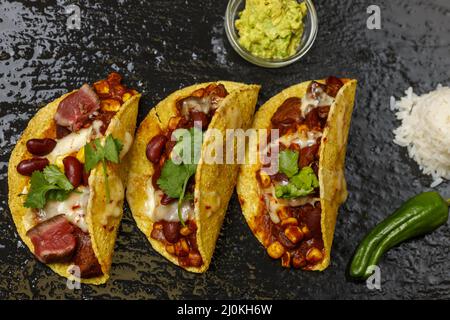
(171,231)
(285,241)
(307,155)
(323,112)
(86,178)
(155,148)
(40,147)
(156,175)
(311,216)
(169,147)
(27,167)
(280,177)
(61,131)
(288,113)
(312,119)
(73,170)
(200,117)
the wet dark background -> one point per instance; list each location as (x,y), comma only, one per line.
(160,46)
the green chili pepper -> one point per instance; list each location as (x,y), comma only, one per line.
(419,215)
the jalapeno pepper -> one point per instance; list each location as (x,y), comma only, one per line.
(419,215)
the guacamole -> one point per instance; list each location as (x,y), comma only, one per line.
(271,28)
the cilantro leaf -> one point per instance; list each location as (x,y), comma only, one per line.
(58,195)
(302,184)
(288,162)
(112,149)
(92,155)
(50,184)
(54,176)
(36,197)
(172,178)
(95,152)
(290,191)
(189,145)
(177,171)
(305,178)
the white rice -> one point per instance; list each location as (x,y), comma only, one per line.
(425,130)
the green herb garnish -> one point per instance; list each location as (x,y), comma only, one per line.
(50,184)
(288,162)
(302,184)
(175,175)
(95,152)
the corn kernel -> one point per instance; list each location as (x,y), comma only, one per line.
(173,122)
(275,250)
(110,105)
(181,248)
(158,226)
(294,234)
(283,213)
(195,259)
(306,232)
(126,96)
(80,155)
(265,179)
(185,231)
(59,162)
(102,87)
(170,248)
(289,222)
(314,255)
(184,245)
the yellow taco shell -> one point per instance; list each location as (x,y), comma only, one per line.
(102,220)
(333,188)
(214,182)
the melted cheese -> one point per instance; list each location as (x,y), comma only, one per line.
(128,141)
(74,208)
(157,212)
(196,104)
(275,205)
(309,103)
(75,141)
(301,137)
(113,209)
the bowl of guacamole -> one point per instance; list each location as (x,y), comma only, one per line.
(271,33)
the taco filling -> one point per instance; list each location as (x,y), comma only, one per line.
(291,219)
(58,166)
(170,191)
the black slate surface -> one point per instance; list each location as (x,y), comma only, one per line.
(160,46)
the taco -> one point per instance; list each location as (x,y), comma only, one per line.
(180,205)
(292,210)
(67,175)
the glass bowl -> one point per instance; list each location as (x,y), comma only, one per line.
(309,35)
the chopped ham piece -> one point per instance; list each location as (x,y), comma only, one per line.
(75,109)
(53,240)
(85,257)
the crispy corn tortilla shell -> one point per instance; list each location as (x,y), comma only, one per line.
(333,189)
(214,182)
(102,235)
